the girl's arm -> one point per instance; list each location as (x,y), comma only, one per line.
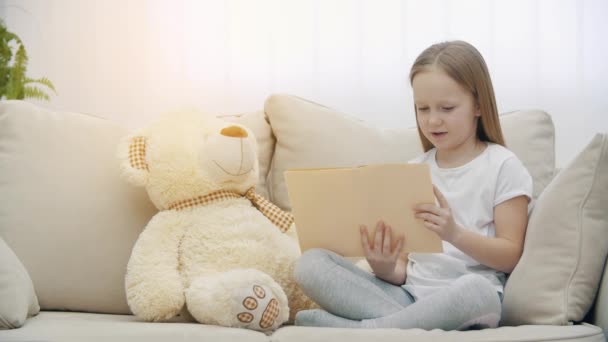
(501,252)
(388,265)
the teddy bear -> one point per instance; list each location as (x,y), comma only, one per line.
(216,250)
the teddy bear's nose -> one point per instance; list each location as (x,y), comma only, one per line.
(234,132)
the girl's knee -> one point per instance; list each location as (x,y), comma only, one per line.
(479,287)
(308,264)
(472,279)
(316,253)
(475,281)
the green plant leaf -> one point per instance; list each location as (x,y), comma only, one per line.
(43,80)
(35,93)
(13,79)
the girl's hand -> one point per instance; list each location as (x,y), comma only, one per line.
(439,219)
(379,255)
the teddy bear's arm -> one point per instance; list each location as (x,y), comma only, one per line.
(153,284)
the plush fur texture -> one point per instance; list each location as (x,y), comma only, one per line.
(224,262)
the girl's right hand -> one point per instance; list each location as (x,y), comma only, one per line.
(379,255)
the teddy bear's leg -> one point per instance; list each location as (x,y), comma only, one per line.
(153,284)
(245,298)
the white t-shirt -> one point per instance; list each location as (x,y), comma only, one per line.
(472,191)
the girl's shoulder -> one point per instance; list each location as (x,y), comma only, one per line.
(506,162)
(499,154)
(499,150)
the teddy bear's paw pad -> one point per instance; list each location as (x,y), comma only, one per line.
(270,314)
(245,317)
(250,303)
(259,291)
(260,306)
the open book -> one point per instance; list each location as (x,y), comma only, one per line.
(329,205)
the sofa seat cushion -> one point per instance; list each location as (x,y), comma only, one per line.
(545,333)
(78,327)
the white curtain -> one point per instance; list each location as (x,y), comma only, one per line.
(131,60)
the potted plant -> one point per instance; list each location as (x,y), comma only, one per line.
(14,84)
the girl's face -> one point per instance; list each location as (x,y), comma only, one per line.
(446,112)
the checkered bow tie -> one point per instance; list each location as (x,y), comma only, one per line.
(280,218)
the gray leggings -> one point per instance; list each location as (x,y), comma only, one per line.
(353,297)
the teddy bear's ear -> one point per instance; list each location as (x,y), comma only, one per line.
(132,153)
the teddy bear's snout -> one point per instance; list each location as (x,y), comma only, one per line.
(234,132)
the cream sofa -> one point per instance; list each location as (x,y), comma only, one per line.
(68,223)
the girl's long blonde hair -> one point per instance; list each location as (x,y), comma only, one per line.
(465,65)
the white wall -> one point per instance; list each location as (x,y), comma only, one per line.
(131,60)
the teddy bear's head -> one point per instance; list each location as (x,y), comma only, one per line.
(190,154)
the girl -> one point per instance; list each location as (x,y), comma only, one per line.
(482,190)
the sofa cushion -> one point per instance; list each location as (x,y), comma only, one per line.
(530,134)
(17,297)
(557,277)
(309,135)
(71,326)
(78,327)
(585,332)
(64,209)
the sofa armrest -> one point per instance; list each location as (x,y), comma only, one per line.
(599,312)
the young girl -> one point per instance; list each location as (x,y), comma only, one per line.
(482,190)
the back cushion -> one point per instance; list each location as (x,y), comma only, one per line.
(65,211)
(63,208)
(558,275)
(309,135)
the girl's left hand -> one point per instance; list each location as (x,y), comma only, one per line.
(439,219)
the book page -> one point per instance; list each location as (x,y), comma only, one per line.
(329,205)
